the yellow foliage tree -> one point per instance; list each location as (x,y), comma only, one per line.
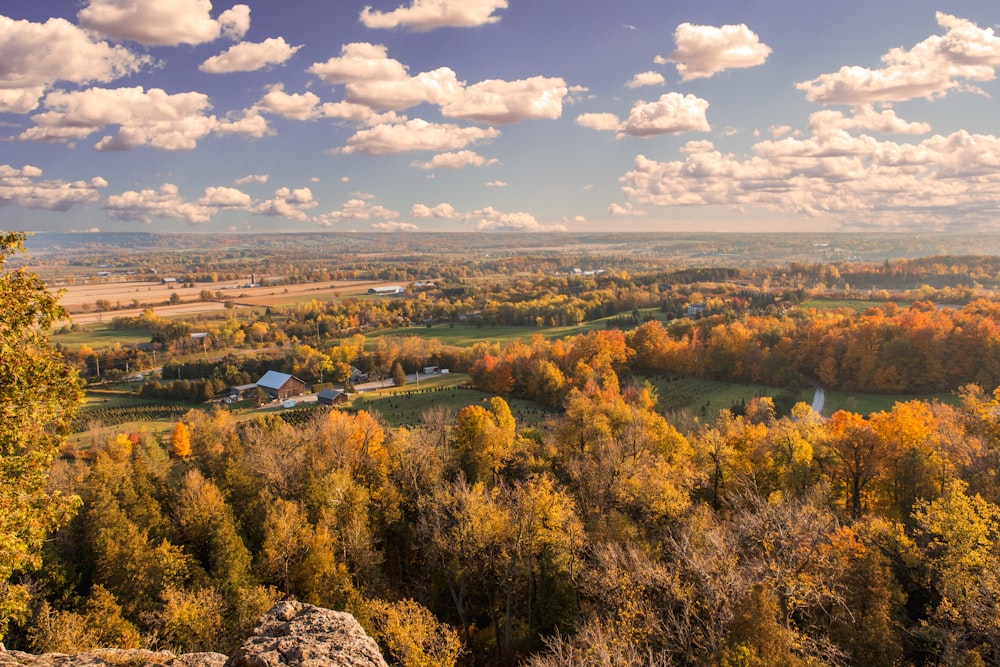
(180,440)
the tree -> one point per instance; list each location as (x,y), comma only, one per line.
(39,395)
(398,375)
(180,441)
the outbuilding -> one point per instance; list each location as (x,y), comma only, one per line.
(331,397)
(280,386)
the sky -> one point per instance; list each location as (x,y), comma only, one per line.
(499,115)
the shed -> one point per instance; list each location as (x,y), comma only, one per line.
(281,385)
(331,397)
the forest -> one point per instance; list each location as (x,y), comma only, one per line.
(608,534)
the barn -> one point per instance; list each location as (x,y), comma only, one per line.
(331,397)
(280,386)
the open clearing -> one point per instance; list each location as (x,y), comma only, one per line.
(81,300)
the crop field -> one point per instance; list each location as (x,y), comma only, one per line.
(866,404)
(100,336)
(464,335)
(704,398)
(129,299)
(403,406)
(857,305)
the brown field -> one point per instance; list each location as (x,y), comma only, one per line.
(80,300)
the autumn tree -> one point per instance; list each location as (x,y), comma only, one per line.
(180,440)
(39,394)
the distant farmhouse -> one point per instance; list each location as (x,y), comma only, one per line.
(280,386)
(388,289)
(241,391)
(331,397)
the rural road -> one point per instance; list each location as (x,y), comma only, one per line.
(819,399)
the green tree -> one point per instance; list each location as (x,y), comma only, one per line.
(398,375)
(39,394)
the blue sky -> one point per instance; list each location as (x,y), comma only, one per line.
(499,115)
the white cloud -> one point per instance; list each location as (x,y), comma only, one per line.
(492,220)
(144,118)
(937,183)
(375,80)
(359,208)
(930,69)
(358,62)
(154,22)
(456,160)
(252,178)
(646,79)
(442,211)
(703,50)
(864,117)
(415,135)
(607,122)
(250,56)
(625,209)
(394,227)
(436,87)
(673,113)
(503,102)
(288,203)
(34,56)
(423,15)
(222,197)
(24,187)
(144,205)
(496,184)
(303,106)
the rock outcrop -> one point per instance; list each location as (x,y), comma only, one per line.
(291,634)
(297,634)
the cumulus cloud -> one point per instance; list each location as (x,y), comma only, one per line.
(25,187)
(443,211)
(288,203)
(503,102)
(221,198)
(856,180)
(144,205)
(304,106)
(932,68)
(455,160)
(158,23)
(424,15)
(394,227)
(607,122)
(358,208)
(250,56)
(492,220)
(252,178)
(864,117)
(373,79)
(415,135)
(673,113)
(703,50)
(143,117)
(646,79)
(34,56)
(625,209)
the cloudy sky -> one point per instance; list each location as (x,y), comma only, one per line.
(499,115)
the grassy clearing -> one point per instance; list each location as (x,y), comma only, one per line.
(99,336)
(704,398)
(465,335)
(857,305)
(866,404)
(403,406)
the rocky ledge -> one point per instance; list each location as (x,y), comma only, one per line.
(291,634)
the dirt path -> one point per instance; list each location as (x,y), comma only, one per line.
(819,400)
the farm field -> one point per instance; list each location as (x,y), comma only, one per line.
(80,300)
(403,406)
(704,398)
(857,305)
(101,335)
(866,404)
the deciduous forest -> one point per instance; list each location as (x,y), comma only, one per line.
(611,532)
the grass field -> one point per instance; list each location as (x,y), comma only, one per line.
(866,404)
(857,305)
(703,399)
(403,406)
(100,336)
